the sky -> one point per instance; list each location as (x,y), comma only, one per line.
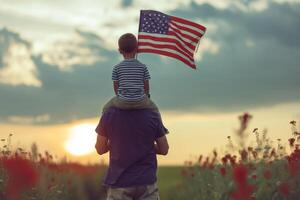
(56,59)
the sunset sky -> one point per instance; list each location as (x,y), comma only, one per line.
(56,59)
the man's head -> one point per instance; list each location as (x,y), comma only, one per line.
(127,44)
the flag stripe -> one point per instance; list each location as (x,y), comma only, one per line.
(165,38)
(186,36)
(184,21)
(167,53)
(168,50)
(187,29)
(167,43)
(166,46)
(170,36)
(185,41)
(190,27)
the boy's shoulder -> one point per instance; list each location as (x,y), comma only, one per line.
(133,62)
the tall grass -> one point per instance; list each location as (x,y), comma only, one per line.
(263,171)
(266,170)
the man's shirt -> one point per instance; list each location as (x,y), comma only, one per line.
(132,155)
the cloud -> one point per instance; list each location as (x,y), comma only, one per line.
(17,67)
(207,45)
(279,22)
(83,48)
(28,119)
(127,3)
(248,59)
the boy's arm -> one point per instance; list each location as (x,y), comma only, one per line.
(116,87)
(146,87)
(161,145)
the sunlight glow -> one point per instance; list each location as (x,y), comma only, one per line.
(82,140)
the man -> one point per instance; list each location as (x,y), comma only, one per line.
(133,138)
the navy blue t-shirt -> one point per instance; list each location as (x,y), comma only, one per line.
(132,156)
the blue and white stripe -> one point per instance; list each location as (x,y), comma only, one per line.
(130,74)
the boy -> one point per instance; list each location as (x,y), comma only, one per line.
(130,79)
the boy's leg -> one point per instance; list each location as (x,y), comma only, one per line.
(109,104)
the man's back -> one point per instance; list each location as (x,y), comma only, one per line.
(131,135)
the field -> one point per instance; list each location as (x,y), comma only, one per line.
(267,170)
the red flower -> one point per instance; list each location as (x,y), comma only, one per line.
(293,161)
(223,171)
(243,193)
(284,188)
(244,190)
(240,173)
(267,174)
(22,175)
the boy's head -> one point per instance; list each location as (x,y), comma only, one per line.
(127,44)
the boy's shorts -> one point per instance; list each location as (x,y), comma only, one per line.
(147,192)
(146,103)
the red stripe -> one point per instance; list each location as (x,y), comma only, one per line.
(169,55)
(159,46)
(179,38)
(195,40)
(184,21)
(161,39)
(187,29)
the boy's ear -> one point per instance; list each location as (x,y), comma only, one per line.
(121,52)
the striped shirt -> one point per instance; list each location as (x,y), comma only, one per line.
(130,74)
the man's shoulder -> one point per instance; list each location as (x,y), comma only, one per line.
(118,111)
(117,65)
(131,63)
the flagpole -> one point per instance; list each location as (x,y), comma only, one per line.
(136,55)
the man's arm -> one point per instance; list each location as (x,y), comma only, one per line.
(116,87)
(146,87)
(102,145)
(161,145)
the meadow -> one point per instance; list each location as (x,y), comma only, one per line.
(266,170)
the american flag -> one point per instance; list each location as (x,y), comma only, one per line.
(169,36)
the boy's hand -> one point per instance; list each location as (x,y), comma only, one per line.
(116,87)
(146,87)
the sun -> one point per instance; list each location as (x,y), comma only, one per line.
(81,140)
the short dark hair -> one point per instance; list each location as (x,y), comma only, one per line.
(127,43)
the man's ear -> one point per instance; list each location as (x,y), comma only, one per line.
(120,51)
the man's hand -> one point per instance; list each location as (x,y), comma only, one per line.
(102,145)
(161,145)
